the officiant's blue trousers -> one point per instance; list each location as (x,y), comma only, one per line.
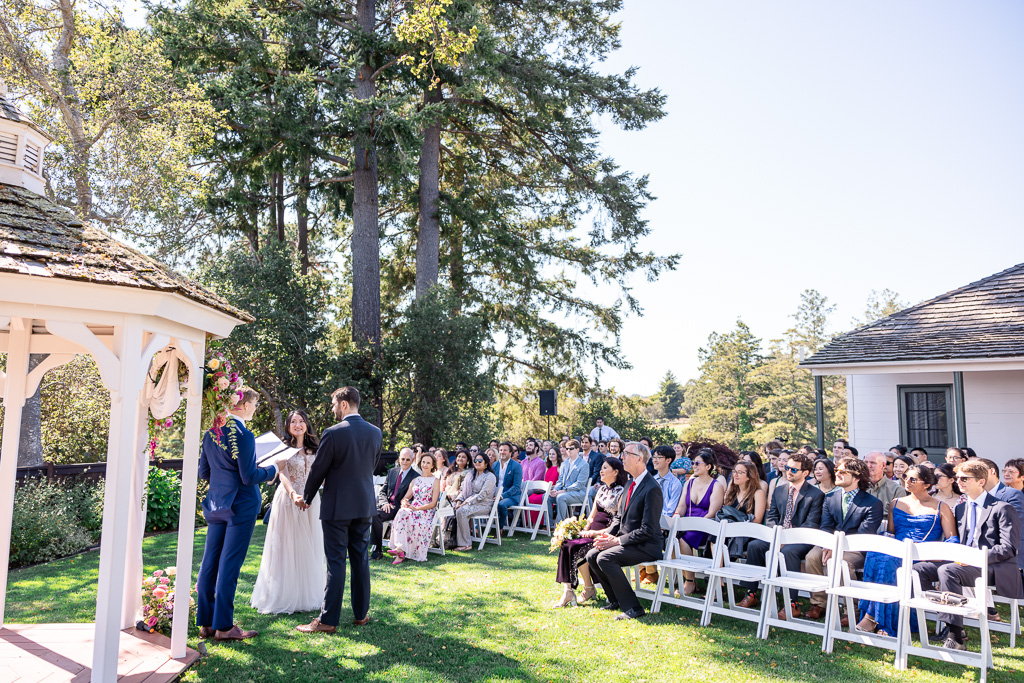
(226,546)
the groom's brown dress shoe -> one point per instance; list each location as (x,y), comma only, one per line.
(235,633)
(361,622)
(206,632)
(315,627)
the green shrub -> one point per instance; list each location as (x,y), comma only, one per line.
(163,499)
(47,522)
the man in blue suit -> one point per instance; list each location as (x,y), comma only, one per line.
(849,508)
(572,482)
(1000,491)
(230,508)
(510,478)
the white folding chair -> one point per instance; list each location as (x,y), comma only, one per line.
(843,586)
(583,507)
(975,608)
(725,569)
(442,514)
(543,509)
(648,593)
(490,521)
(670,570)
(781,578)
(1012,627)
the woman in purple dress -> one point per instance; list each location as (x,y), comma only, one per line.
(572,556)
(702,497)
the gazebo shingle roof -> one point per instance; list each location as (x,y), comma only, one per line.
(40,238)
(984,319)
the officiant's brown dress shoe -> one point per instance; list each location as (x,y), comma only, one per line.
(315,627)
(206,632)
(235,633)
(361,622)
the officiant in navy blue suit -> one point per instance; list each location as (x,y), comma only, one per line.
(344,464)
(230,508)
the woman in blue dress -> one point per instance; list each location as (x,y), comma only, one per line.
(919,517)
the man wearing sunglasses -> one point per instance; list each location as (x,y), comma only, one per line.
(982,522)
(795,505)
(848,508)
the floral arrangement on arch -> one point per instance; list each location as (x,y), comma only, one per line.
(568,529)
(221,391)
(158,601)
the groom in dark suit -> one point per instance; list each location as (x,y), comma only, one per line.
(344,464)
(634,536)
(230,508)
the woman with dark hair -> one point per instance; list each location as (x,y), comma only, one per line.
(900,465)
(291,577)
(824,471)
(919,518)
(754,459)
(476,498)
(702,497)
(745,492)
(552,461)
(572,555)
(440,463)
(946,489)
(456,474)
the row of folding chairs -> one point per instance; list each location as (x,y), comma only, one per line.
(839,584)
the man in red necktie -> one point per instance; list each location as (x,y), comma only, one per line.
(634,536)
(389,498)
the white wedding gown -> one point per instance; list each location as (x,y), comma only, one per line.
(293,571)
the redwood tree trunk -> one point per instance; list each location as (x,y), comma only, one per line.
(302,216)
(428,240)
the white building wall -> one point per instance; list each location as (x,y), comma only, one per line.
(994,404)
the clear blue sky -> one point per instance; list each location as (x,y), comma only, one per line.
(838,146)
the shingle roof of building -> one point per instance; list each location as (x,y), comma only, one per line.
(984,319)
(40,238)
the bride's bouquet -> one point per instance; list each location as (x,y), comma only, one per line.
(567,530)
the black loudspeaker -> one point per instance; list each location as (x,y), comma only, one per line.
(548,402)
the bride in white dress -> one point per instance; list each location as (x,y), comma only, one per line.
(292,572)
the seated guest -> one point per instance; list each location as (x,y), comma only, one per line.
(918,516)
(882,487)
(440,463)
(533,466)
(920,456)
(492,456)
(671,490)
(824,472)
(795,504)
(946,489)
(456,474)
(1001,491)
(476,498)
(1013,474)
(634,536)
(745,493)
(682,465)
(510,478)
(982,522)
(552,462)
(754,459)
(602,447)
(702,497)
(572,480)
(411,529)
(851,509)
(572,556)
(900,465)
(594,460)
(389,498)
(955,456)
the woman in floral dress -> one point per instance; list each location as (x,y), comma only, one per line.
(410,530)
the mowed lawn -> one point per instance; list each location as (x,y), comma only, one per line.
(484,616)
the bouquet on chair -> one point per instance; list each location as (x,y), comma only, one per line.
(568,529)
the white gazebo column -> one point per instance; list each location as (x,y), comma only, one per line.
(124,407)
(189,481)
(131,602)
(14,382)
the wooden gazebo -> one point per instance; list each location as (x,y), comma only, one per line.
(66,288)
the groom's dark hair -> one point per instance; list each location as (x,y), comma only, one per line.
(349,394)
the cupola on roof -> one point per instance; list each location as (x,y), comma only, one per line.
(22,143)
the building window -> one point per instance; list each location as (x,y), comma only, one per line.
(926,418)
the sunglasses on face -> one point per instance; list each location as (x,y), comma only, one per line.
(961,477)
(912,480)
(478,461)
(571,448)
(794,470)
(842,471)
